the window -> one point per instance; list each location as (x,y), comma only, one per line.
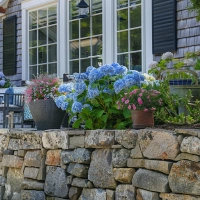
(129,34)
(43,41)
(85,37)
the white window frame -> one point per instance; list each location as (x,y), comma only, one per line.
(109,46)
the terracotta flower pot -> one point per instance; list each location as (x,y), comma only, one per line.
(142,119)
(46,114)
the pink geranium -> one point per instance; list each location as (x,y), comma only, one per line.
(141,99)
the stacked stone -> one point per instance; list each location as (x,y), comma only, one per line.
(147,164)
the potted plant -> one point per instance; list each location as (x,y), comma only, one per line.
(91,98)
(142,103)
(40,94)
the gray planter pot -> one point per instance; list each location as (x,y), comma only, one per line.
(46,114)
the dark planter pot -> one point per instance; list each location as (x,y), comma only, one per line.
(46,114)
(142,119)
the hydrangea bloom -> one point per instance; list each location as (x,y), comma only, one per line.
(92,92)
(67,87)
(119,69)
(167,55)
(80,87)
(80,76)
(87,106)
(119,85)
(107,70)
(153,64)
(2,82)
(76,107)
(94,75)
(189,62)
(59,100)
(89,69)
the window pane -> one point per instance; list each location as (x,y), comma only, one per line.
(122,19)
(52,53)
(74,66)
(33,20)
(134,2)
(97,25)
(73,10)
(135,16)
(85,48)
(96,62)
(52,33)
(42,54)
(42,69)
(42,17)
(52,15)
(32,72)
(136,61)
(74,29)
(97,45)
(84,64)
(122,3)
(74,49)
(123,60)
(33,38)
(135,40)
(52,68)
(33,56)
(122,41)
(96,6)
(85,27)
(42,34)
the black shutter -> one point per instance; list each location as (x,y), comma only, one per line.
(9,45)
(164,26)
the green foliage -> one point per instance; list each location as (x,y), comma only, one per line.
(169,113)
(195,6)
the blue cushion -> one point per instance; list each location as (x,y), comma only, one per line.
(10,91)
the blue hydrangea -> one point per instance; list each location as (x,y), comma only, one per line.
(119,69)
(129,80)
(87,106)
(2,82)
(70,96)
(80,76)
(142,77)
(92,92)
(94,75)
(76,107)
(107,91)
(107,70)
(89,69)
(80,87)
(64,105)
(2,75)
(66,87)
(59,100)
(75,95)
(119,85)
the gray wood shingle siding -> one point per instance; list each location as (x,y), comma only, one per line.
(188,30)
(14,8)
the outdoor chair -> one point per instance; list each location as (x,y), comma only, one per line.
(12,104)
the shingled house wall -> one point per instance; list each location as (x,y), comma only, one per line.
(14,8)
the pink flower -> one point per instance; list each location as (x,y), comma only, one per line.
(140,94)
(153,109)
(129,107)
(140,101)
(123,99)
(127,101)
(135,91)
(145,109)
(134,107)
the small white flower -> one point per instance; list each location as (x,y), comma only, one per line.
(167,55)
(153,64)
(189,62)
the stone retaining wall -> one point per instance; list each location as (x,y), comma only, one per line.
(146,164)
